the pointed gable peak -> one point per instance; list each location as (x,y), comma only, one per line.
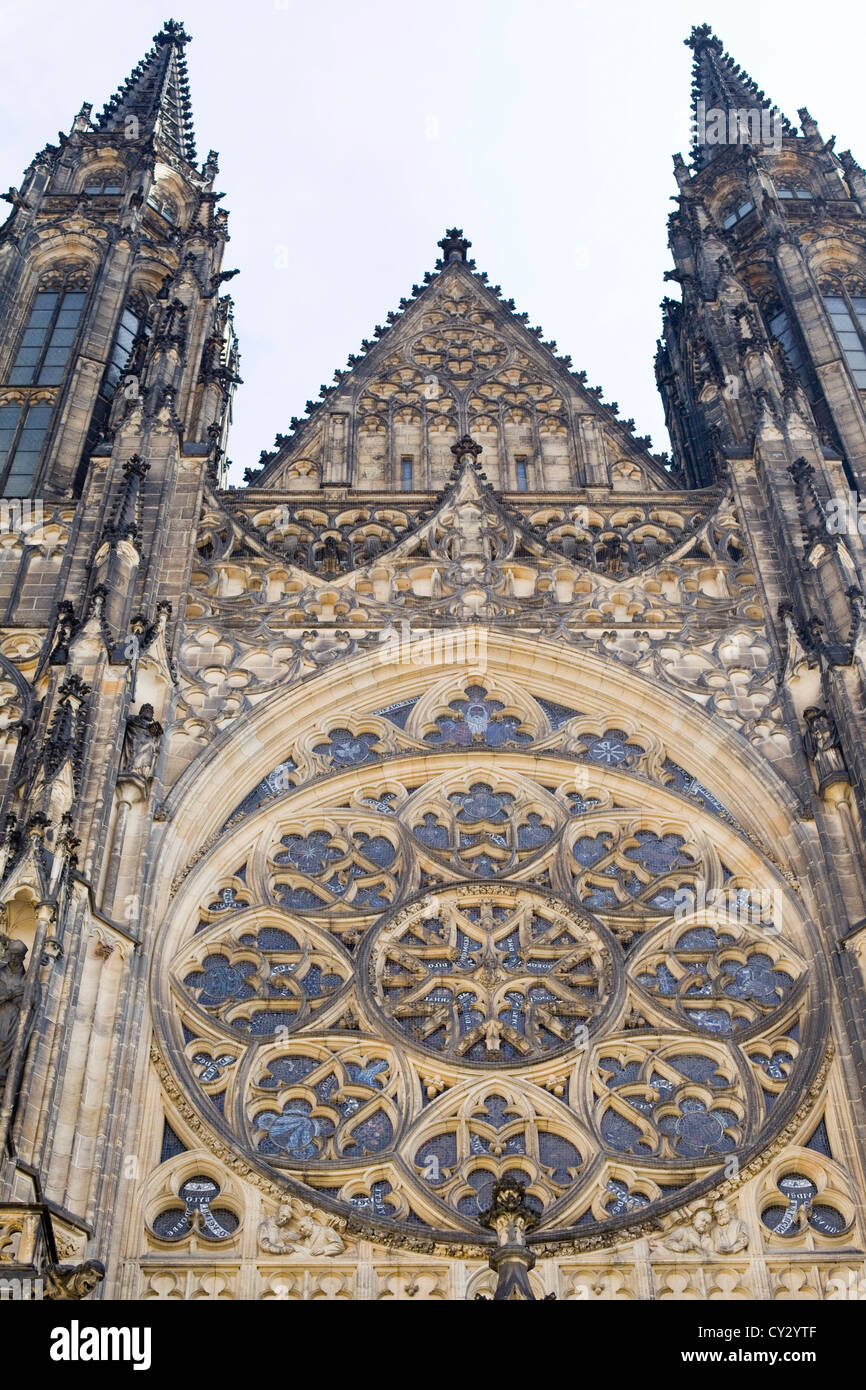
(467,476)
(155,99)
(469,508)
(721,87)
(456,356)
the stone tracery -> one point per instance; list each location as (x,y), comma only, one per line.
(368,952)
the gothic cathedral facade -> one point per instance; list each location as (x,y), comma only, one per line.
(452,840)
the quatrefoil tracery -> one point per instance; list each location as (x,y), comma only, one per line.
(720,975)
(670,1102)
(475,1134)
(325,1099)
(253,979)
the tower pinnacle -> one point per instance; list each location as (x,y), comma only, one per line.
(723,92)
(155,98)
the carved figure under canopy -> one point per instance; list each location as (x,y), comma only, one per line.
(13,984)
(141,742)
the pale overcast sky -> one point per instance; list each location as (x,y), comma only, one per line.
(353,134)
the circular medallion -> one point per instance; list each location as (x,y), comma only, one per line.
(491,975)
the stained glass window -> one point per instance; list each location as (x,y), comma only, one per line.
(48,338)
(197,1214)
(783,332)
(737,213)
(848,317)
(22,435)
(459,963)
(132,330)
(41,360)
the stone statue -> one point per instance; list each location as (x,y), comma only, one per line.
(141,742)
(822,745)
(511,1217)
(694,1238)
(467,537)
(296,1229)
(713,1231)
(70,1283)
(318,1238)
(13,982)
(730,1234)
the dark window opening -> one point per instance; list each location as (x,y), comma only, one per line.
(780,327)
(785,332)
(47,340)
(162,206)
(104,184)
(737,213)
(42,358)
(848,317)
(129,340)
(22,434)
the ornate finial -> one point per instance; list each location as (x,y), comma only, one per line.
(728,107)
(466,448)
(702,34)
(37,826)
(800,468)
(125,524)
(172,31)
(74,688)
(135,466)
(154,99)
(510,1216)
(454,245)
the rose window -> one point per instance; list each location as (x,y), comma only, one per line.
(476,935)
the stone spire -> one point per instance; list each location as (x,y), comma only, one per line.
(155,96)
(126,524)
(719,85)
